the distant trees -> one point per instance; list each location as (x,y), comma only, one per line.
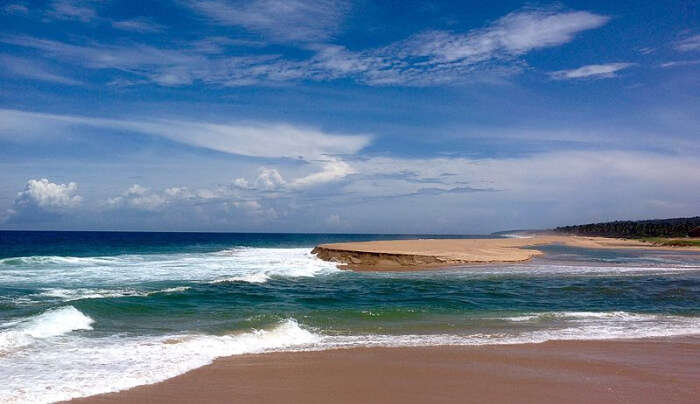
(678,227)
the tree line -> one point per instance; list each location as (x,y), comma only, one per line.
(676,227)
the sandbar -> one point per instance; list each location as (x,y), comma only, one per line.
(437,253)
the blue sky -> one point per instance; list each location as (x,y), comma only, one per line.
(346,116)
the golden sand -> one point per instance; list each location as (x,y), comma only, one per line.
(432,253)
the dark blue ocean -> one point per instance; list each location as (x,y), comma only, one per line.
(89,312)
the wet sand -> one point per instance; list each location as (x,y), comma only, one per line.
(434,253)
(629,371)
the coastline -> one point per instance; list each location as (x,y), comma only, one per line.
(641,371)
(402,255)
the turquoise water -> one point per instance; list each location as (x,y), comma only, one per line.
(85,313)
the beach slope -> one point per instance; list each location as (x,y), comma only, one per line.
(633,371)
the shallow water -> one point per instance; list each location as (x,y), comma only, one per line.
(84,313)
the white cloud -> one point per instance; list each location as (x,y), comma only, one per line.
(439,57)
(514,34)
(677,63)
(48,195)
(241,183)
(256,210)
(429,58)
(42,198)
(270,140)
(691,43)
(383,191)
(269,179)
(33,69)
(591,71)
(281,20)
(249,205)
(331,170)
(141,25)
(137,58)
(138,197)
(73,10)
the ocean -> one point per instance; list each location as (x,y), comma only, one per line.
(83,313)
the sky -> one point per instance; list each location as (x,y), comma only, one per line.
(453,117)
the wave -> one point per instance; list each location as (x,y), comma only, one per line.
(56,373)
(68,295)
(245,264)
(120,362)
(587,315)
(259,277)
(52,323)
(58,260)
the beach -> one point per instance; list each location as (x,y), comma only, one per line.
(632,371)
(436,253)
(214,317)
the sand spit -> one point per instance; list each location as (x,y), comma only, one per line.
(433,253)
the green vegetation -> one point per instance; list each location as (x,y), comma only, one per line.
(673,242)
(666,228)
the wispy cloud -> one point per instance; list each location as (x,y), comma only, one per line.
(691,43)
(607,70)
(33,69)
(16,8)
(82,10)
(677,63)
(267,140)
(440,57)
(141,25)
(279,20)
(429,58)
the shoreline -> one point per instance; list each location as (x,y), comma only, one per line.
(639,370)
(406,255)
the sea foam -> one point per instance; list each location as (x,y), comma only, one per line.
(52,323)
(85,366)
(244,264)
(81,366)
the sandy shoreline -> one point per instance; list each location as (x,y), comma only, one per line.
(435,253)
(639,371)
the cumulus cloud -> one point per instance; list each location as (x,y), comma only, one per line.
(269,179)
(49,195)
(691,43)
(42,199)
(138,197)
(241,183)
(591,71)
